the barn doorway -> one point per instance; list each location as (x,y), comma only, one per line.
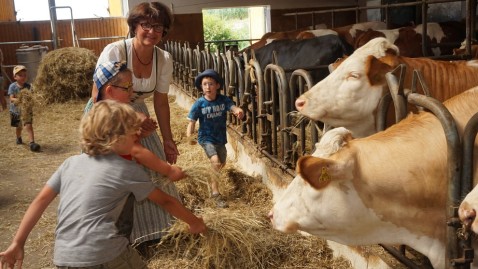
(235,28)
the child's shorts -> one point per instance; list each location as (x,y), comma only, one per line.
(219,150)
(15,120)
(129,259)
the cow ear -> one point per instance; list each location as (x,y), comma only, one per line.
(315,171)
(376,69)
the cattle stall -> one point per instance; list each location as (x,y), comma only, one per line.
(272,127)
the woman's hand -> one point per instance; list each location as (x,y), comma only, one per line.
(171,151)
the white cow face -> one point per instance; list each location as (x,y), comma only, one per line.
(350,95)
(322,200)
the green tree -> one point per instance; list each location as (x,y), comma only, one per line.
(215,29)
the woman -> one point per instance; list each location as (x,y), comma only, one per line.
(152,72)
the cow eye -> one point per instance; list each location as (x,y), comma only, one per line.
(353,75)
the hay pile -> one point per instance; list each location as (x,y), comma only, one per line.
(65,74)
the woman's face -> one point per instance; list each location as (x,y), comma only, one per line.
(149,33)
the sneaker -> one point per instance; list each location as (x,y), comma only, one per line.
(19,141)
(220,202)
(34,147)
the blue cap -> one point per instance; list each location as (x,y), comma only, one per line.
(208,73)
(105,72)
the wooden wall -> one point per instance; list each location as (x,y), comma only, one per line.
(41,30)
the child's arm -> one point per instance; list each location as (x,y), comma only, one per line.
(175,208)
(14,253)
(237,111)
(151,161)
(13,99)
(190,130)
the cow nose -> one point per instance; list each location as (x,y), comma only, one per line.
(299,104)
(467,215)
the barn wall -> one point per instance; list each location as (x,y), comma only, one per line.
(7,11)
(41,30)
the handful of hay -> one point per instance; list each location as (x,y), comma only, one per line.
(230,242)
(25,103)
(196,189)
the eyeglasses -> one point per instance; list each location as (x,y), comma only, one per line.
(146,26)
(127,88)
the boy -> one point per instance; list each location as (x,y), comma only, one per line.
(211,111)
(114,81)
(94,187)
(20,76)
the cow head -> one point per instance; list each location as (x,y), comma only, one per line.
(300,207)
(350,95)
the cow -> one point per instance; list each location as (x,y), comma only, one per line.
(388,188)
(409,39)
(271,36)
(348,32)
(295,54)
(350,95)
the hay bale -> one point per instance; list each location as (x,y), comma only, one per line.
(65,74)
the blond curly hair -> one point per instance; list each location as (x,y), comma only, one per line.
(105,124)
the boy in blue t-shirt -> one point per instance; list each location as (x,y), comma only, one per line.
(211,111)
(17,119)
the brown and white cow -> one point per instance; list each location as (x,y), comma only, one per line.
(409,39)
(269,37)
(388,188)
(349,96)
(348,32)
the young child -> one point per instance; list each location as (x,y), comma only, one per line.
(211,111)
(20,76)
(94,187)
(114,81)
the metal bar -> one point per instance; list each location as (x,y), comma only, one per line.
(101,38)
(72,24)
(371,7)
(26,42)
(454,155)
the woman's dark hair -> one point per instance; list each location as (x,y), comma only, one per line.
(151,12)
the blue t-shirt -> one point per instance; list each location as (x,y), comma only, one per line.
(14,89)
(212,119)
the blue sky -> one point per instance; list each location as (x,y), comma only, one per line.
(28,10)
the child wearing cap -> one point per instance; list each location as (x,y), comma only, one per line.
(211,111)
(14,90)
(113,80)
(94,187)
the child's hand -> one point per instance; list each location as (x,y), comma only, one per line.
(198,227)
(176,173)
(12,256)
(148,126)
(239,113)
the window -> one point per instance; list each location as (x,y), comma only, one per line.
(38,10)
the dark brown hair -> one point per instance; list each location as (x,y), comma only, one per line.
(154,12)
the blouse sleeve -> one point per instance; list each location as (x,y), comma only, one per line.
(110,53)
(165,71)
